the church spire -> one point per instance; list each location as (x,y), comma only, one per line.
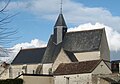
(60,27)
(60,21)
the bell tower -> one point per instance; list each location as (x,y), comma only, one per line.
(60,28)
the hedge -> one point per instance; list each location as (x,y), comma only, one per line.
(11,81)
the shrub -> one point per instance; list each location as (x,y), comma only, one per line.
(11,81)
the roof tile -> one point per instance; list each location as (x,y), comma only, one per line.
(76,67)
(29,56)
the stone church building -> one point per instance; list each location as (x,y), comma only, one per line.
(70,58)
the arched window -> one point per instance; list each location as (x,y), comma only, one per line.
(10,72)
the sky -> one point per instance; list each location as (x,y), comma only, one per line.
(35,19)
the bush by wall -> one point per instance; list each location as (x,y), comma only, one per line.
(11,81)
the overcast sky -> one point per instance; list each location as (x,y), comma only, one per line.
(35,19)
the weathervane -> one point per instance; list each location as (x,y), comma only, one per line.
(61,6)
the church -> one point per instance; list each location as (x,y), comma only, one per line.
(78,57)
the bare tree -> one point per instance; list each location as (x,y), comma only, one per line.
(6,33)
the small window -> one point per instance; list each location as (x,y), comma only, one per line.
(67,80)
(33,71)
(50,70)
(101,66)
(10,72)
(18,73)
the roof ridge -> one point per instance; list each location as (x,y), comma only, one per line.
(85,30)
(81,61)
(33,48)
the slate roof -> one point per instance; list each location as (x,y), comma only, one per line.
(60,21)
(52,51)
(80,41)
(76,67)
(29,56)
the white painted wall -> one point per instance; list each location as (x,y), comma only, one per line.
(104,48)
(38,80)
(74,79)
(46,68)
(17,69)
(31,67)
(102,68)
(4,73)
(1,69)
(61,58)
(87,56)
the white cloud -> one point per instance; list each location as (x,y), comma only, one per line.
(112,35)
(76,13)
(15,5)
(33,44)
